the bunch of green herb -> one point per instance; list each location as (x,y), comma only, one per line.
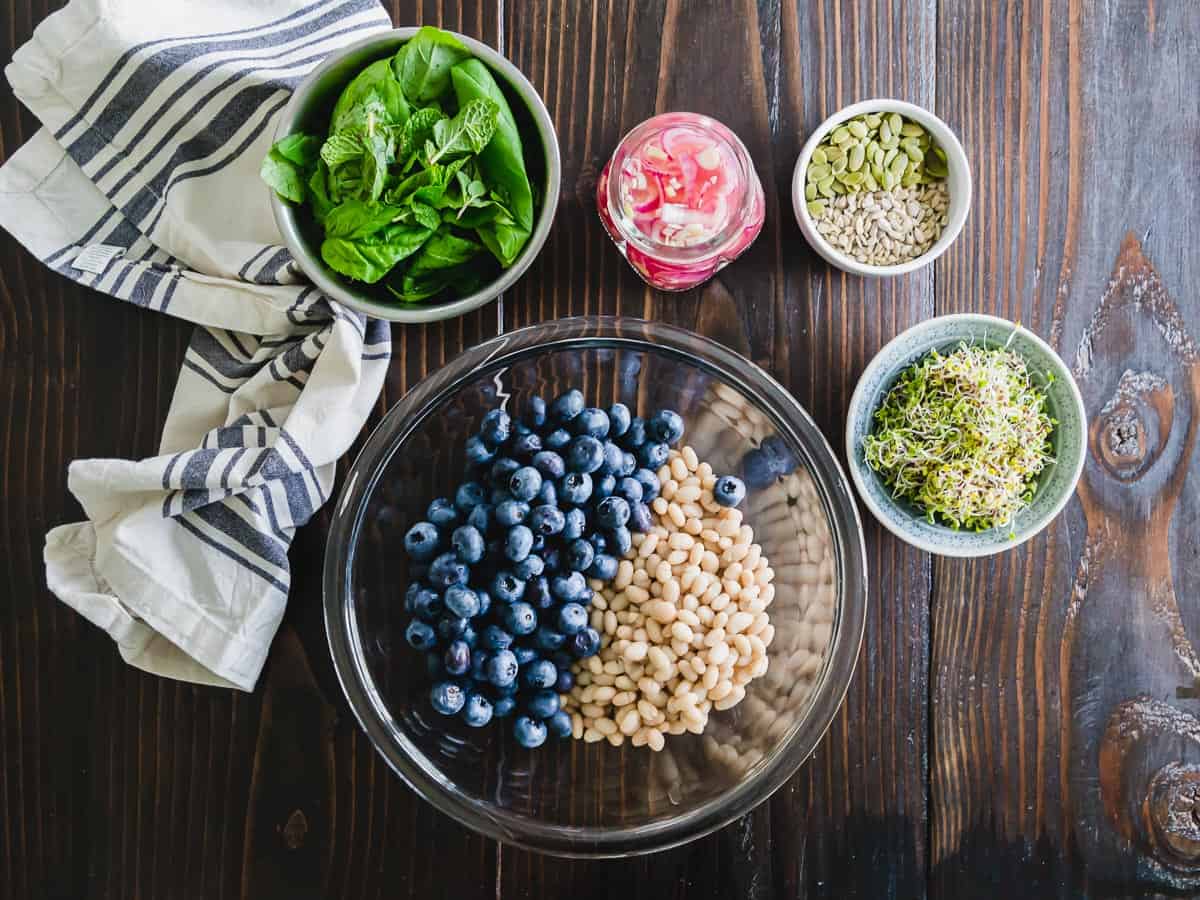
(964,436)
(420,182)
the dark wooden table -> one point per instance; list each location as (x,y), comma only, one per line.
(1025,725)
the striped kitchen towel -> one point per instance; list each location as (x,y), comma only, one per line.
(143,184)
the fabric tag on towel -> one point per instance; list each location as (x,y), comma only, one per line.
(95,259)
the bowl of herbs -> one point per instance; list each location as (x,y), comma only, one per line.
(966,435)
(414,175)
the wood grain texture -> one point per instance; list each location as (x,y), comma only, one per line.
(1029,720)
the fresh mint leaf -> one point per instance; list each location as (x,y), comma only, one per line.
(417,130)
(425,215)
(467,133)
(342,148)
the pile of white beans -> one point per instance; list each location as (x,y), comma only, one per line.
(683,625)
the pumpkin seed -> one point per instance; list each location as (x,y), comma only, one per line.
(872,120)
(889,180)
(870,183)
(816,208)
(840,135)
(911,129)
(818,172)
(873,152)
(895,123)
(898,165)
(854,179)
(885,133)
(810,191)
(914,153)
(858,129)
(825,186)
(889,156)
(834,152)
(855,160)
(818,156)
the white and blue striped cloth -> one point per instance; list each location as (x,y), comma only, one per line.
(143,184)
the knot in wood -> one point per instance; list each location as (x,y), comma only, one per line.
(295,830)
(1173,810)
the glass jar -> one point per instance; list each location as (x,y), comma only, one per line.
(680,198)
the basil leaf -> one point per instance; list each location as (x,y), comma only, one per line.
(423,64)
(319,192)
(374,92)
(355,218)
(465,134)
(444,251)
(370,258)
(375,163)
(505,240)
(302,149)
(502,161)
(283,175)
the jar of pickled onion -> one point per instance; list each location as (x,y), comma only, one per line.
(680,198)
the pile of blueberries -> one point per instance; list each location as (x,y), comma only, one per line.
(499,593)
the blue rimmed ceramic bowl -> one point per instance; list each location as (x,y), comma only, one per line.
(1057,481)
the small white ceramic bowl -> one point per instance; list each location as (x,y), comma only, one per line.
(1055,485)
(958,182)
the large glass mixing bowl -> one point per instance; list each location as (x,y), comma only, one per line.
(568,797)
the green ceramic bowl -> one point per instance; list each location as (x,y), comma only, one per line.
(1057,481)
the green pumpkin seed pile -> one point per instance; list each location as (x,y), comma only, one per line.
(883,155)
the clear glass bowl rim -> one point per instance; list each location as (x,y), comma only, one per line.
(789,418)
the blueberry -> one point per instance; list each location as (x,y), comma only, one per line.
(630,489)
(451,627)
(481,517)
(447,570)
(410,597)
(550,464)
(635,436)
(525,655)
(665,426)
(477,452)
(457,658)
(503,707)
(547,496)
(603,567)
(520,429)
(592,422)
(447,697)
(605,485)
(653,456)
(619,418)
(579,554)
(419,635)
(538,593)
(477,711)
(598,540)
(649,482)
(468,496)
(566,681)
(468,544)
(433,666)
(553,560)
(575,488)
(485,601)
(547,520)
(612,512)
(574,523)
(548,640)
(502,470)
(543,704)
(462,601)
(559,724)
(511,512)
(729,491)
(496,428)
(639,518)
(495,638)
(585,454)
(614,458)
(512,688)
(469,636)
(758,468)
(497,496)
(529,732)
(620,540)
(525,483)
(427,604)
(572,619)
(557,439)
(507,587)
(421,541)
(526,446)
(519,618)
(783,460)
(585,643)
(529,568)
(567,588)
(442,513)
(540,674)
(502,668)
(518,543)
(535,412)
(566,407)
(628,464)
